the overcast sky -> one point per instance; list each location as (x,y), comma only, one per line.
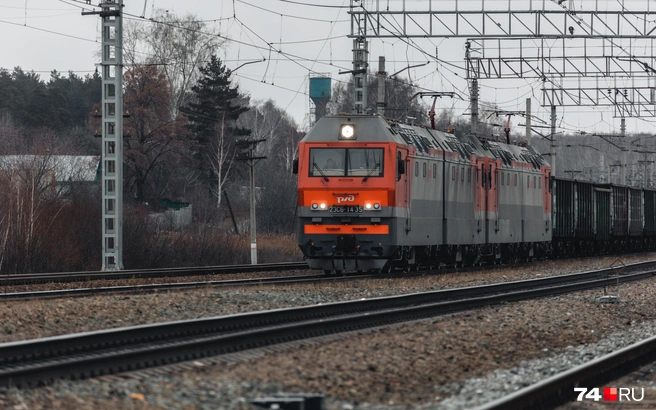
(43,35)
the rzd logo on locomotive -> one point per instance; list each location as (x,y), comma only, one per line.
(349,198)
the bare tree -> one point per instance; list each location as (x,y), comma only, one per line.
(177,45)
(221,159)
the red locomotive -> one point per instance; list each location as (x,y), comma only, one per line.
(375,194)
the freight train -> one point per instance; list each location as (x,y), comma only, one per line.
(376,195)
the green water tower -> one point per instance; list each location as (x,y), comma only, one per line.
(320,88)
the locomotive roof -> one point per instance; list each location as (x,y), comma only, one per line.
(374,128)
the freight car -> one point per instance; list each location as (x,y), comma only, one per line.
(591,218)
(375,194)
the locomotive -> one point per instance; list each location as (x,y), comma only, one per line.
(375,195)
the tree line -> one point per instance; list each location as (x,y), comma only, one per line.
(183,114)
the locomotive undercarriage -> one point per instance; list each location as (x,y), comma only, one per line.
(336,254)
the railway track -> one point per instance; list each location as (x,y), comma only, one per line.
(559,388)
(165,287)
(123,349)
(63,277)
(288,280)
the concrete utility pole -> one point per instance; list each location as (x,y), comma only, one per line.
(528,121)
(552,151)
(247,155)
(112,133)
(381,104)
(625,148)
(473,89)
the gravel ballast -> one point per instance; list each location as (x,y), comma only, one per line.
(446,362)
(20,320)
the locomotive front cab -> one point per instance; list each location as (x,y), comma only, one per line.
(346,179)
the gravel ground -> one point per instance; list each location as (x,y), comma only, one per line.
(446,362)
(21,320)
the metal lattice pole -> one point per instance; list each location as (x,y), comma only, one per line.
(552,151)
(112,133)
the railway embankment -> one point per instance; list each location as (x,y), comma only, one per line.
(429,363)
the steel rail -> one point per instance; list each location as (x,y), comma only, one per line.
(114,350)
(12,280)
(559,389)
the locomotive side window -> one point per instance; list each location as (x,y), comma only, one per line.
(416,168)
(453,173)
(502,178)
(528,181)
(469,175)
(462,174)
(508,179)
(424,170)
(540,183)
(515,179)
(434,170)
(534,183)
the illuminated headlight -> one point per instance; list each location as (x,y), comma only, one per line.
(347,132)
(367,206)
(315,206)
(322,206)
(376,206)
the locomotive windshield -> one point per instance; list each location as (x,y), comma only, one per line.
(364,162)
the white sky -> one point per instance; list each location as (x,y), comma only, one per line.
(31,32)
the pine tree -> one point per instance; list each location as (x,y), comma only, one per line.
(213,116)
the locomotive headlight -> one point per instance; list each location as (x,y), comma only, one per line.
(376,206)
(367,206)
(347,132)
(315,206)
(322,206)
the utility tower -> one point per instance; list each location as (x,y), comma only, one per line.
(112,133)
(247,154)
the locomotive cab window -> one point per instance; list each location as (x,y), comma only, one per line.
(469,175)
(364,162)
(424,169)
(434,170)
(502,178)
(453,173)
(462,174)
(416,168)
